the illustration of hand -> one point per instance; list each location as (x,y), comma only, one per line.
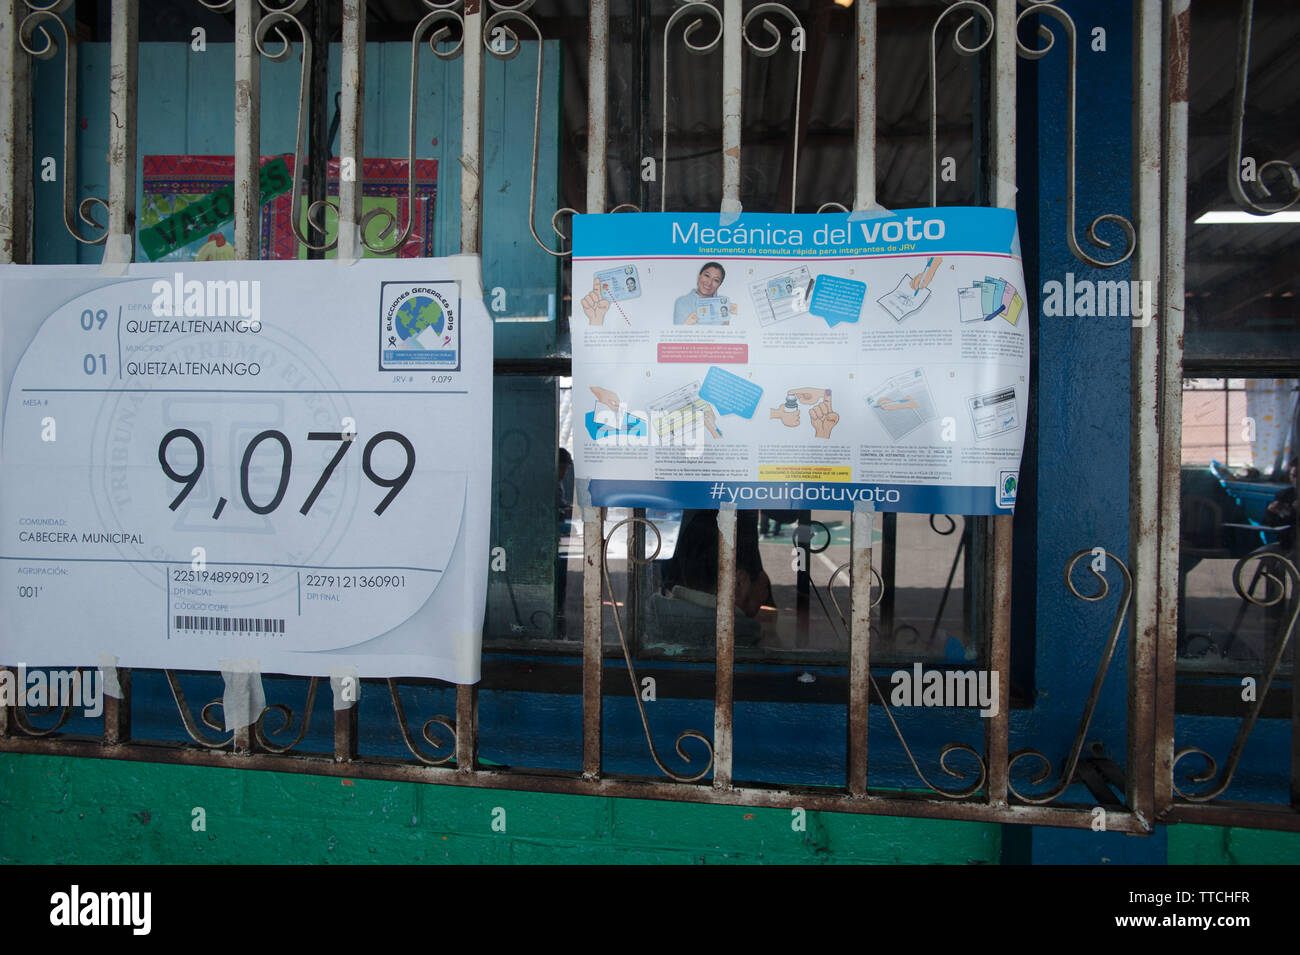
(595,305)
(692,319)
(824,418)
(710,422)
(894,404)
(924,278)
(809,396)
(605,397)
(789,418)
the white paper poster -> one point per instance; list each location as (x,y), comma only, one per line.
(283,462)
(801,361)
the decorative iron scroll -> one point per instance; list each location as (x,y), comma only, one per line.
(503,43)
(264,737)
(187,718)
(631,669)
(37,41)
(1248,724)
(1117,627)
(1130,234)
(701,11)
(426,731)
(1287,170)
(768,49)
(272,20)
(948,748)
(965,50)
(440,14)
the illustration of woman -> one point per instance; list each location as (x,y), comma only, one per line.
(686,310)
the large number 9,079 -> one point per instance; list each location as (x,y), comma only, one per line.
(190,479)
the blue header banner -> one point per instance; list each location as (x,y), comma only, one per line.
(910,231)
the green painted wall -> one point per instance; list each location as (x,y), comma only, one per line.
(1211,845)
(64,810)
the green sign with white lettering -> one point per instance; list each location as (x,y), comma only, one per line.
(210,212)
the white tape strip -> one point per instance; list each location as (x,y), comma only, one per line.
(118,251)
(731,210)
(244,699)
(349,251)
(727,522)
(467,269)
(583,489)
(346,684)
(108,673)
(875,211)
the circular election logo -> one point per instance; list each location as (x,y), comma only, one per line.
(416,314)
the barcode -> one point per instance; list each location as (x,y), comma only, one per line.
(231,624)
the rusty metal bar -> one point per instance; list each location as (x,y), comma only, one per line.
(819,799)
(861,530)
(471,220)
(466,728)
(997,568)
(471,131)
(1177,55)
(864,193)
(1144,441)
(248,130)
(732,45)
(597,103)
(345,734)
(593,529)
(724,694)
(117,711)
(122,82)
(15,143)
(352,131)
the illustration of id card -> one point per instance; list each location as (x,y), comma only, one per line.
(993,413)
(620,284)
(714,311)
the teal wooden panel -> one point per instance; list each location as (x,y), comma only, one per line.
(186,106)
(512,260)
(208,98)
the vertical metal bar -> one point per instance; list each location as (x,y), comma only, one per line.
(864,195)
(597,103)
(352,127)
(471,217)
(15,143)
(593,643)
(466,727)
(724,690)
(593,519)
(1002,171)
(1144,441)
(1177,56)
(4,707)
(352,98)
(471,129)
(248,129)
(117,711)
(317,31)
(888,571)
(859,645)
(732,44)
(122,81)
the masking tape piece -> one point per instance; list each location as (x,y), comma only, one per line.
(467,270)
(731,210)
(349,250)
(727,522)
(346,684)
(243,700)
(108,673)
(119,249)
(583,488)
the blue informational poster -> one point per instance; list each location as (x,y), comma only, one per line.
(802,361)
(287,463)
